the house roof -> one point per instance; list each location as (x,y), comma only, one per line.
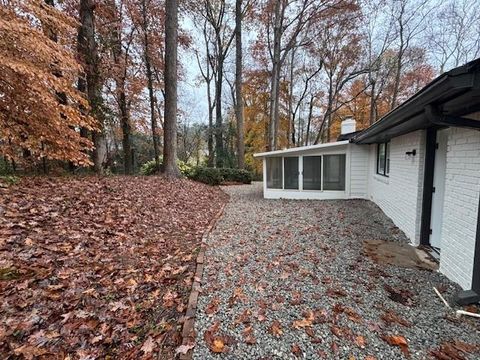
(442,102)
(301,149)
(348,136)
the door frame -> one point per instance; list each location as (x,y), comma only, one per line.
(430,147)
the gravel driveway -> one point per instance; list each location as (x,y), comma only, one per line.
(288,279)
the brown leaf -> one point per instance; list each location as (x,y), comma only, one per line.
(396,340)
(212,307)
(276,328)
(216,343)
(391,317)
(248,335)
(360,341)
(148,345)
(353,315)
(340,332)
(244,317)
(296,350)
(183,349)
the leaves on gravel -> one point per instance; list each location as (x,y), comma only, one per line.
(454,350)
(216,343)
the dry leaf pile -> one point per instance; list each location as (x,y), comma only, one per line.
(95,267)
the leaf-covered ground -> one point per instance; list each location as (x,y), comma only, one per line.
(98,267)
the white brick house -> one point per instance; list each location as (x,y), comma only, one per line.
(420,164)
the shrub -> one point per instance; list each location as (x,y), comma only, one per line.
(236,175)
(206,175)
(8,180)
(150,167)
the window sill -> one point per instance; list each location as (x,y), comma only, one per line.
(382,178)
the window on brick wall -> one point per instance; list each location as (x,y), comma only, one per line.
(383,159)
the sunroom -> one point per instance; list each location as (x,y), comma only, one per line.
(334,170)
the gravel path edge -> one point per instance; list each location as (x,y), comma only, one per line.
(188,331)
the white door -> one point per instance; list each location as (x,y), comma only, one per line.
(439,189)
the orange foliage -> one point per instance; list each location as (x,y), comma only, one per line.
(256,94)
(35,71)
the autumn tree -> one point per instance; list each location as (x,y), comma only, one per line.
(31,116)
(147,57)
(409,17)
(238,83)
(207,72)
(170,167)
(90,82)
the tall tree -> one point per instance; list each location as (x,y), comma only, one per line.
(288,21)
(238,84)
(454,35)
(410,20)
(216,13)
(170,167)
(207,71)
(91,82)
(149,74)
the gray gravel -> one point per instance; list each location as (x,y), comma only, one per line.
(290,257)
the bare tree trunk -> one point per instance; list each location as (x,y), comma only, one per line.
(170,167)
(148,69)
(275,79)
(401,51)
(208,76)
(211,151)
(126,128)
(372,104)
(309,121)
(219,148)
(238,84)
(291,115)
(120,78)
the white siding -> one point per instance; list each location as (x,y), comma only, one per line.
(462,188)
(400,194)
(359,171)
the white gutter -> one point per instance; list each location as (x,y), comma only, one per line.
(301,148)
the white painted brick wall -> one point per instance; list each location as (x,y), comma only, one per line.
(400,195)
(462,190)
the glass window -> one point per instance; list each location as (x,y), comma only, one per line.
(290,165)
(383,159)
(334,172)
(274,172)
(312,173)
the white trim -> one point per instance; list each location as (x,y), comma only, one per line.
(301,149)
(304,195)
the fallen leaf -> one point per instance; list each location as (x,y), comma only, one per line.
(148,345)
(248,335)
(360,341)
(183,349)
(296,350)
(397,340)
(276,328)
(212,306)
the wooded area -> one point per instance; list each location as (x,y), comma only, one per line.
(94,83)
